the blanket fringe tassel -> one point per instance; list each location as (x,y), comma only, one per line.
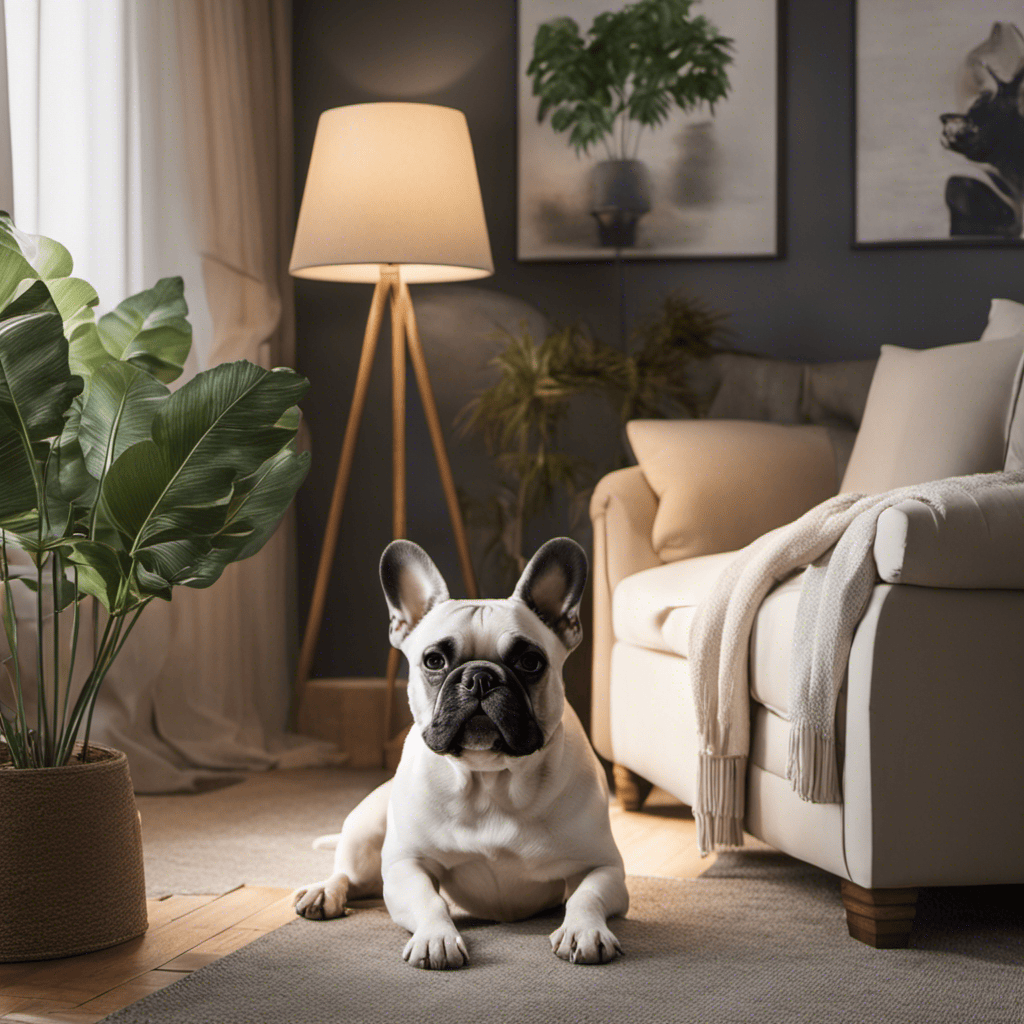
(813,769)
(719,811)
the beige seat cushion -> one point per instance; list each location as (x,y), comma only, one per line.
(934,413)
(653,609)
(643,602)
(723,483)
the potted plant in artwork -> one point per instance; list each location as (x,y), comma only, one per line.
(116,489)
(620,79)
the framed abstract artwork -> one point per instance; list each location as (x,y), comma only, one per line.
(939,122)
(648,129)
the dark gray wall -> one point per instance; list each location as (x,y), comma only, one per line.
(821,301)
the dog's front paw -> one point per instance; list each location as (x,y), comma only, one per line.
(585,945)
(436,947)
(321,900)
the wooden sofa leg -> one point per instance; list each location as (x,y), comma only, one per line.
(879,917)
(630,788)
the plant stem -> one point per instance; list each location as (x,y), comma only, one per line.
(74,651)
(11,628)
(42,717)
(68,739)
(55,573)
(108,659)
(121,635)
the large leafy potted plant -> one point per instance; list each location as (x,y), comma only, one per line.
(116,489)
(633,66)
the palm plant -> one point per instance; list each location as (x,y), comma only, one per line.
(111,486)
(633,66)
(521,414)
(519,417)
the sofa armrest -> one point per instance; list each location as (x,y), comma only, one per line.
(625,506)
(978,544)
(933,722)
(622,510)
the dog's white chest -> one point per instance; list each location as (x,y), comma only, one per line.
(503,868)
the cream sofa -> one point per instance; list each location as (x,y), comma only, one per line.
(930,721)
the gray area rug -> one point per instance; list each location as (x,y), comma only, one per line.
(257,832)
(766,946)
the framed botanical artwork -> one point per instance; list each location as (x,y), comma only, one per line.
(939,122)
(648,129)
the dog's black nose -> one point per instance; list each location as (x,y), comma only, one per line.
(479,681)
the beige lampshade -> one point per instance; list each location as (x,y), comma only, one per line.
(392,183)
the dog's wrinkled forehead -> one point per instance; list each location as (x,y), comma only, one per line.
(479,629)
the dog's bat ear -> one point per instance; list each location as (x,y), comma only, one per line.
(552,587)
(412,586)
(993,63)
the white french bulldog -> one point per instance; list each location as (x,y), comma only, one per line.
(499,800)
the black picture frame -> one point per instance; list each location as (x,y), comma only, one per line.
(932,29)
(773,246)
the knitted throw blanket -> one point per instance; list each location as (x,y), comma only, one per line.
(836,539)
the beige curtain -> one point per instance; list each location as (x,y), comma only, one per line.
(204,682)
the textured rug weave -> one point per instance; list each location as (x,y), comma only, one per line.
(257,832)
(766,948)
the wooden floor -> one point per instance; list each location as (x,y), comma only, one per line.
(189,932)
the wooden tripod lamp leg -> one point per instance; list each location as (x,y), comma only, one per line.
(398,467)
(419,366)
(348,447)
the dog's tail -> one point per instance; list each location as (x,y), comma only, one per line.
(326,842)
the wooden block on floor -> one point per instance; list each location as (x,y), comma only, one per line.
(350,713)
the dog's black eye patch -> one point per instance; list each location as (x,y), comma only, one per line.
(525,658)
(438,657)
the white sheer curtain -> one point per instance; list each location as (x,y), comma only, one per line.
(98,153)
(98,118)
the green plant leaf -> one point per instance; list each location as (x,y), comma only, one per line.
(150,330)
(66,593)
(36,390)
(18,494)
(103,571)
(47,258)
(118,412)
(25,258)
(257,505)
(36,386)
(169,496)
(68,478)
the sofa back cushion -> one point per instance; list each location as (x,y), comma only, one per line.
(1005,320)
(722,483)
(934,413)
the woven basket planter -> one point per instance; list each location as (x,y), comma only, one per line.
(71,877)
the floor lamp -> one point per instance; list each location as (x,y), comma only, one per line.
(391,199)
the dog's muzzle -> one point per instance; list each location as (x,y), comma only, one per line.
(483,688)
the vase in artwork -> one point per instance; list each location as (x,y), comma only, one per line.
(620,194)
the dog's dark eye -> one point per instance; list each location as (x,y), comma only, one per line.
(434,661)
(530,662)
